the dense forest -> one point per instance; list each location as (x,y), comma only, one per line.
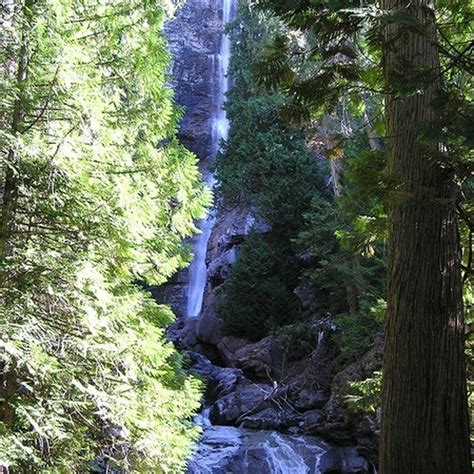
(328,166)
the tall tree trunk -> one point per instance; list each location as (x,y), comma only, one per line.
(424,408)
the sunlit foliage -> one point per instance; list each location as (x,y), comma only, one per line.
(97,194)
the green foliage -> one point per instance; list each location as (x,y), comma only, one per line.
(97,193)
(341,251)
(366,396)
(259,289)
(357,332)
(265,164)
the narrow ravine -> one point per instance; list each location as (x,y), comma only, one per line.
(236,407)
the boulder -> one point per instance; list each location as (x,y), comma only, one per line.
(263,359)
(187,338)
(279,417)
(228,348)
(307,398)
(246,399)
(344,461)
(210,351)
(221,381)
(310,420)
(267,419)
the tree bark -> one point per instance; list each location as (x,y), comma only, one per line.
(425,426)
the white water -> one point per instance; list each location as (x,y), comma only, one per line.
(220,130)
(225,449)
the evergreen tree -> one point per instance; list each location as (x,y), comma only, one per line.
(417,54)
(266,166)
(96,194)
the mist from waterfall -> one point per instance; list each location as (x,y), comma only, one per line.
(220,129)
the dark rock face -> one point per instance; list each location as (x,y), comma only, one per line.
(173,292)
(247,398)
(194,40)
(307,399)
(228,348)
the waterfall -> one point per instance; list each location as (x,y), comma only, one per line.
(220,129)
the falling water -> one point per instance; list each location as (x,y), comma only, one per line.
(220,129)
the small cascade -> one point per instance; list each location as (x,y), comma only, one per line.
(220,130)
(227,449)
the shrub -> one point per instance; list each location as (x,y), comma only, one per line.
(366,396)
(356,333)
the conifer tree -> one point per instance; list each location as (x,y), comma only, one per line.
(96,194)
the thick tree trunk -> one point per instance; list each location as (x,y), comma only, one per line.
(425,415)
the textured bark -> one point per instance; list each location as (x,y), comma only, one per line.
(425,417)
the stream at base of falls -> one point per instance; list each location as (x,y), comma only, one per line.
(235,449)
(226,449)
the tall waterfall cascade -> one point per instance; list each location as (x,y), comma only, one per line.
(220,129)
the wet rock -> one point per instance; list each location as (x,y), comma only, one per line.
(218,447)
(227,450)
(228,347)
(224,378)
(220,380)
(245,399)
